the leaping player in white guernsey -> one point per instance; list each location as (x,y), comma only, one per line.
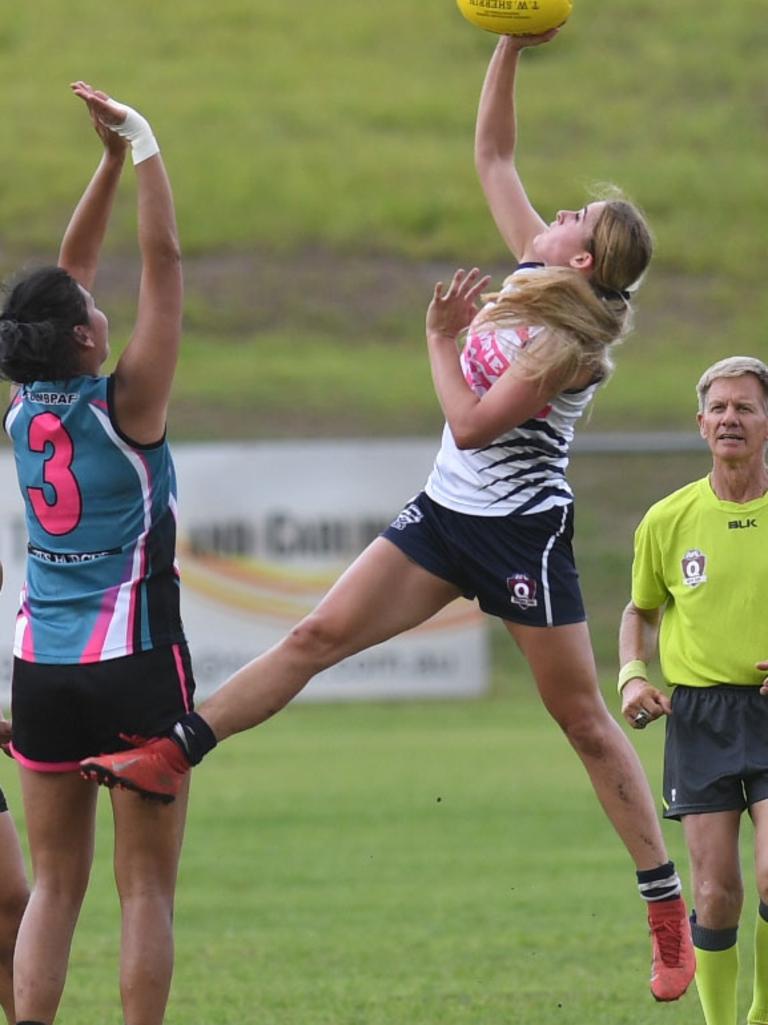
(495,519)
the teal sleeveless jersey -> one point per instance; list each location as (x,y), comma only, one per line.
(102,580)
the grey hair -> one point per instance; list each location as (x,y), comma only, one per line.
(733,366)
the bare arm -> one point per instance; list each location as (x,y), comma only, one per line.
(144,374)
(83,238)
(638,638)
(145,370)
(495,147)
(476,420)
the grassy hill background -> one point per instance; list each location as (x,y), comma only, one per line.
(322,162)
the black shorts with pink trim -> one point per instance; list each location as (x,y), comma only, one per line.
(520,568)
(64,713)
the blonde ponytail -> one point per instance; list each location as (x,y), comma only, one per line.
(578,325)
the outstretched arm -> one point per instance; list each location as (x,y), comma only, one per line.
(83,238)
(495,146)
(145,370)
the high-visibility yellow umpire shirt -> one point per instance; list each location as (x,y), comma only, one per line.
(708,561)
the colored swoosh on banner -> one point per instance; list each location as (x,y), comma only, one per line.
(268,591)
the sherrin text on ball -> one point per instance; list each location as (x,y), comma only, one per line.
(516,17)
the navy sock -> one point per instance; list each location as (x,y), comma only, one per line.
(712,939)
(658,884)
(194,736)
(30,1023)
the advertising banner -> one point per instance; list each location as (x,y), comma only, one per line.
(264,531)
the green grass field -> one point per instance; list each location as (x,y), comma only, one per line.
(436,864)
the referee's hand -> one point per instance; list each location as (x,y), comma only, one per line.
(642,703)
(763,667)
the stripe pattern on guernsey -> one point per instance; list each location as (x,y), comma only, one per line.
(102,580)
(522,471)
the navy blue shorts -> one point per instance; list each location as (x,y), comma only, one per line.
(715,754)
(520,568)
(64,713)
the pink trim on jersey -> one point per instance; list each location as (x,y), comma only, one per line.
(31,763)
(101,403)
(24,641)
(140,556)
(126,606)
(182,677)
(93,650)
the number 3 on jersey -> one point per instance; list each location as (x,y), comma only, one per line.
(59,506)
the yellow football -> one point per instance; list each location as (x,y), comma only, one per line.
(516,17)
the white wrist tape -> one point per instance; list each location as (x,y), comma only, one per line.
(138,132)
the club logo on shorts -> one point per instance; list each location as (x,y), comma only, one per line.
(694,565)
(522,591)
(411,514)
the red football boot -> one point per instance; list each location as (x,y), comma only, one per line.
(155,769)
(674,962)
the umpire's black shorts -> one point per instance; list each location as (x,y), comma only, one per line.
(520,568)
(64,713)
(716,750)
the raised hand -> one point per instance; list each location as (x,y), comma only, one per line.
(521,42)
(451,311)
(101,106)
(103,113)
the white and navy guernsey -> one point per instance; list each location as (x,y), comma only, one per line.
(522,471)
(102,580)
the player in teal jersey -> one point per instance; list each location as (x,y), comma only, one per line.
(700,561)
(99,646)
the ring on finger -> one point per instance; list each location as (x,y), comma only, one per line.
(641,720)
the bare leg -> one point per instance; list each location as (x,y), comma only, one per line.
(60,811)
(562,663)
(758,1012)
(14,894)
(148,841)
(381,595)
(713,847)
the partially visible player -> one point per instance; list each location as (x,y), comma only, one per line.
(496,517)
(14,890)
(698,585)
(99,647)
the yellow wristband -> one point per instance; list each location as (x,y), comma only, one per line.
(629,671)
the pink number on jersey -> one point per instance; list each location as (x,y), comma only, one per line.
(63,514)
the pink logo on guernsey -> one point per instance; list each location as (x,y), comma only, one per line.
(483,361)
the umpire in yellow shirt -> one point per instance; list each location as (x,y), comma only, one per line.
(699,584)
